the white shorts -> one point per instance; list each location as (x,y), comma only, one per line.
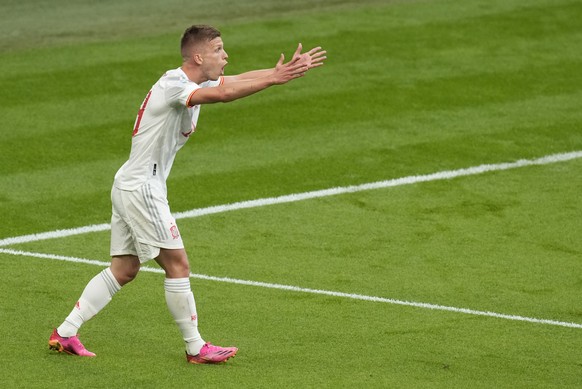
(141,223)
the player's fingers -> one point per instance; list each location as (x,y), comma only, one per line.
(299,68)
(317,62)
(298,51)
(302,71)
(318,58)
(318,54)
(314,50)
(281,59)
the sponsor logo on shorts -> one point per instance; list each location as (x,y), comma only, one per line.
(174,231)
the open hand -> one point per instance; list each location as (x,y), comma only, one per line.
(312,59)
(285,72)
(299,64)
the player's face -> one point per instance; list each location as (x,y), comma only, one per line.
(214,59)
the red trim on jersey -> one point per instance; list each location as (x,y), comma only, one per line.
(194,91)
(140,113)
(190,96)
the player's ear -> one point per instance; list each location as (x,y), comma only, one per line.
(198,59)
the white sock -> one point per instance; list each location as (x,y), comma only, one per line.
(95,297)
(180,300)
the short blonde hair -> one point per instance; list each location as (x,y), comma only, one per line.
(196,34)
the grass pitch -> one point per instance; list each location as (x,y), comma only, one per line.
(410,88)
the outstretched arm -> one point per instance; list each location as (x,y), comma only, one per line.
(236,89)
(246,84)
(253,74)
(313,58)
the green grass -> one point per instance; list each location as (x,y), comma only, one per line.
(409,88)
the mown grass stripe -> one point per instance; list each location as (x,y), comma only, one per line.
(298,289)
(444,175)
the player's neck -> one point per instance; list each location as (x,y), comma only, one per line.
(193,73)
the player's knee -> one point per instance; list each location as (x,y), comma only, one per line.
(174,262)
(178,269)
(125,269)
(129,275)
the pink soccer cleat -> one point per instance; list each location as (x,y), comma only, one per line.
(212,354)
(70,345)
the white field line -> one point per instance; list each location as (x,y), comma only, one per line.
(555,158)
(312,291)
(444,175)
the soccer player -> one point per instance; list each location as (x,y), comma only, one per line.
(142,226)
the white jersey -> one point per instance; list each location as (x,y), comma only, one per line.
(163,125)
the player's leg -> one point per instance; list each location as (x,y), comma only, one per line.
(94,298)
(179,296)
(125,268)
(96,295)
(102,287)
(182,306)
(99,292)
(160,238)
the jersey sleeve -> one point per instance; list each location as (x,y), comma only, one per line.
(210,83)
(178,92)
